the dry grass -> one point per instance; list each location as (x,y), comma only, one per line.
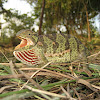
(50,82)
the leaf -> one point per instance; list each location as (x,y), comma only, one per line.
(18,96)
(94,66)
(13,92)
(86,83)
(6,68)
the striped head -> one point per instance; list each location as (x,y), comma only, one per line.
(24,52)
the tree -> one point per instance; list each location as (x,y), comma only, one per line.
(15,22)
(68,13)
(73,14)
(41,18)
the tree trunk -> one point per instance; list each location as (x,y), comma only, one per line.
(41,17)
(80,22)
(89,34)
(87,17)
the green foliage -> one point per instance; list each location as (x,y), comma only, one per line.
(90,45)
(94,43)
(94,66)
(17,22)
(5,68)
(69,13)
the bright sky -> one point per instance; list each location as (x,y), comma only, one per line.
(20,5)
(24,7)
(97,21)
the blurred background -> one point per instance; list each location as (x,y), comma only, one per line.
(80,18)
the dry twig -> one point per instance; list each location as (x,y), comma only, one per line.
(5,87)
(44,92)
(52,72)
(67,94)
(36,73)
(31,80)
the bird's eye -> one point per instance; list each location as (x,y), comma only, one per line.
(28,34)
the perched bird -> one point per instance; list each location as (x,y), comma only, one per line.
(58,48)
